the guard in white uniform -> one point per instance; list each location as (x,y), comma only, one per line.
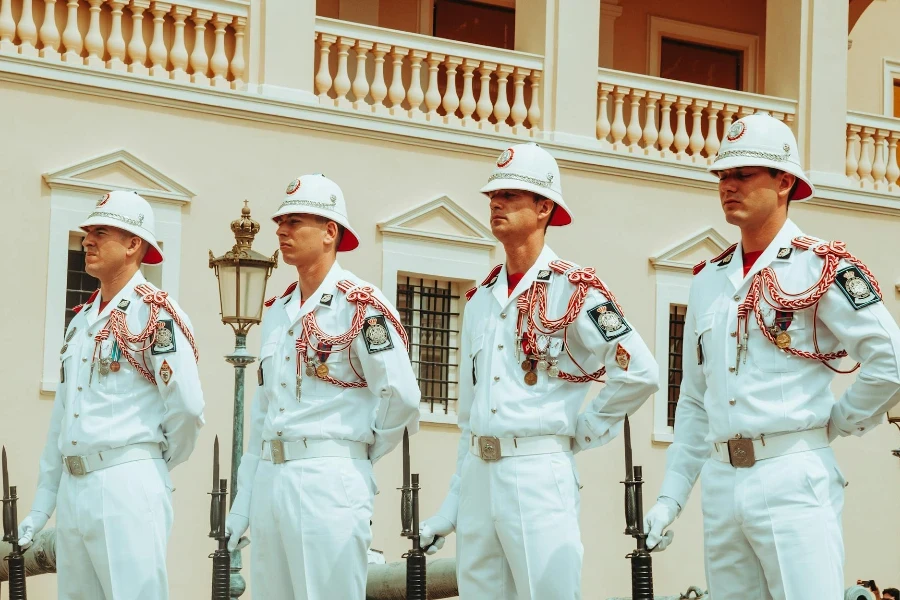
(128,409)
(336,390)
(763,339)
(531,345)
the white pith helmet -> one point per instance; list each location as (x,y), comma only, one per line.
(128,211)
(531,168)
(763,141)
(317,195)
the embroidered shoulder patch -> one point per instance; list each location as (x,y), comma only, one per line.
(623,358)
(326,299)
(543,275)
(784,253)
(609,321)
(165,372)
(123,304)
(376,334)
(165,337)
(856,287)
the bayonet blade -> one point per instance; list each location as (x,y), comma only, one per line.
(629,474)
(215,484)
(5,476)
(406,475)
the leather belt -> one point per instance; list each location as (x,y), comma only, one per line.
(279,451)
(744,452)
(489,448)
(82,465)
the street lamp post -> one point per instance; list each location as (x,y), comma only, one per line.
(242,274)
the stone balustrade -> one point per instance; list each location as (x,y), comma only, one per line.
(673,120)
(429,79)
(199,41)
(872,152)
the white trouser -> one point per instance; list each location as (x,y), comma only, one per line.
(309,522)
(517,535)
(112,530)
(773,531)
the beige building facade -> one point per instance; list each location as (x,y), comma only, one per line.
(409,124)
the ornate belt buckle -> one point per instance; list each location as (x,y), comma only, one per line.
(490,448)
(277,447)
(740,453)
(75,466)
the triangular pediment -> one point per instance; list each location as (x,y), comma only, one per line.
(683,255)
(119,170)
(439,219)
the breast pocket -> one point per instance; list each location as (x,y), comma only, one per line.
(337,365)
(768,357)
(706,345)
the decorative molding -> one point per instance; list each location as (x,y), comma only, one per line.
(471,231)
(667,258)
(166,190)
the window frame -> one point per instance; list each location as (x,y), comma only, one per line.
(891,70)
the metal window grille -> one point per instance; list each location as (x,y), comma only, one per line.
(676,351)
(429,310)
(79,285)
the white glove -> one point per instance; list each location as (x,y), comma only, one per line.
(660,516)
(235,528)
(31,526)
(433,533)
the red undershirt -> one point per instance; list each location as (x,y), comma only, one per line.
(749,260)
(512,280)
(102,306)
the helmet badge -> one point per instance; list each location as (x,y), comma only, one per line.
(505,158)
(737,130)
(293,186)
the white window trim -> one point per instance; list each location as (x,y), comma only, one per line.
(72,199)
(701,34)
(410,250)
(673,286)
(891,68)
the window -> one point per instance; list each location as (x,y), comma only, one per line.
(79,285)
(701,63)
(485,23)
(429,310)
(896,98)
(676,350)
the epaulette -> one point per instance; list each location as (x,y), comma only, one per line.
(562,266)
(730,249)
(290,290)
(805,242)
(77,309)
(491,279)
(699,267)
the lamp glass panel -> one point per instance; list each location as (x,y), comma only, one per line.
(227,284)
(252,292)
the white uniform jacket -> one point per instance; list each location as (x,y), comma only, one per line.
(771,391)
(494,400)
(94,413)
(376,414)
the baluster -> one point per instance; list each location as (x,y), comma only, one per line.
(7,27)
(451,96)
(485,107)
(893,169)
(501,106)
(603,125)
(696,138)
(415,95)
(219,61)
(49,32)
(879,168)
(852,145)
(158,53)
(379,87)
(27,30)
(137,47)
(618,129)
(93,41)
(519,111)
(179,54)
(361,81)
(71,35)
(746,111)
(651,134)
(199,57)
(397,92)
(865,156)
(534,107)
(115,43)
(666,137)
(323,75)
(433,95)
(467,102)
(634,120)
(727,118)
(238,62)
(712,134)
(342,78)
(681,136)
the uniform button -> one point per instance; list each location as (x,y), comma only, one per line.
(502,315)
(283,384)
(79,388)
(732,402)
(736,298)
(493,410)
(279,433)
(731,368)
(74,442)
(76,415)
(83,360)
(281,409)
(291,332)
(499,346)
(862,428)
(587,439)
(287,358)
(734,334)
(496,378)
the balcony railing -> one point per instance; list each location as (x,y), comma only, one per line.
(195,41)
(872,152)
(429,79)
(673,120)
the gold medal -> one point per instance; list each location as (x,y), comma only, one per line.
(531,378)
(322,371)
(783,340)
(526,364)
(114,366)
